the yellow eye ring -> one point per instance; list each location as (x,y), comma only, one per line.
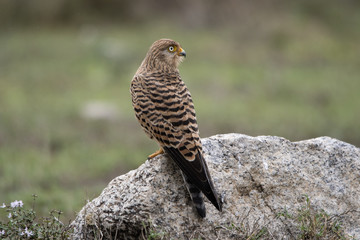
(172,48)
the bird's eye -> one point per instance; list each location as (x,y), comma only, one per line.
(172,48)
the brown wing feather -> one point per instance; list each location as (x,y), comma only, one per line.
(181,142)
(151,118)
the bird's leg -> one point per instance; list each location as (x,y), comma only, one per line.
(160,151)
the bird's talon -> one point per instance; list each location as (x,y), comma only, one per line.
(158,152)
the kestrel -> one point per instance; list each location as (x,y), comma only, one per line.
(166,112)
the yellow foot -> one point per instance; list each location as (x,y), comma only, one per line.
(160,151)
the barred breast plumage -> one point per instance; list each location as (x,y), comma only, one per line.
(164,108)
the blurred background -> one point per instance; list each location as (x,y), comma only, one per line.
(274,67)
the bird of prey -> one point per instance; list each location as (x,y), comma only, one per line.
(165,110)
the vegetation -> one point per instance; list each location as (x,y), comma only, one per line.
(314,224)
(22,223)
(306,224)
(66,122)
(149,232)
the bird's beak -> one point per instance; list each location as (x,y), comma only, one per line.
(182,52)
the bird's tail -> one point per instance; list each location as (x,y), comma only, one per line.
(196,196)
(197,173)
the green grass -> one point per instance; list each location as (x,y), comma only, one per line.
(307,223)
(314,224)
(292,78)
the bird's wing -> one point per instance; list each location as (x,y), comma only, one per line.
(198,173)
(168,115)
(149,112)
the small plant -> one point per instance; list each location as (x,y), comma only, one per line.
(149,232)
(315,225)
(244,229)
(22,223)
(244,232)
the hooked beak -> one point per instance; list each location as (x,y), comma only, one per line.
(182,52)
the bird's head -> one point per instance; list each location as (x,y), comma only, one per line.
(167,52)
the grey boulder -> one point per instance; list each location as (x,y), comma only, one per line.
(261,180)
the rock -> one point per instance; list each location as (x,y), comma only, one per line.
(264,182)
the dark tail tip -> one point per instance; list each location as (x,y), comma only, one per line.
(197,199)
(201,211)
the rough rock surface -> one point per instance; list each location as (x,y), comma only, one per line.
(257,177)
